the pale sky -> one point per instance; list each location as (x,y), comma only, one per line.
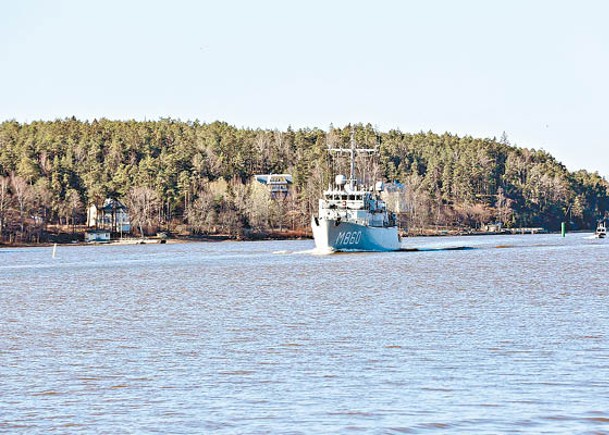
(538,70)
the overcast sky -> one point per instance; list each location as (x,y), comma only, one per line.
(538,70)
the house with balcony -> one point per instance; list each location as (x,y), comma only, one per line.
(113,216)
(278,184)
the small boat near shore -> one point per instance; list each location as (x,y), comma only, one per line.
(601,230)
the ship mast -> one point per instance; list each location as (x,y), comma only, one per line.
(352,168)
(352,151)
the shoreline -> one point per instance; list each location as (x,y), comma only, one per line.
(153,240)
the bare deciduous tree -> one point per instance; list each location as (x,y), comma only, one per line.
(73,206)
(143,204)
(22,193)
(4,201)
(503,205)
(201,212)
(259,207)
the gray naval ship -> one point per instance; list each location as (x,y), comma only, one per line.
(353,217)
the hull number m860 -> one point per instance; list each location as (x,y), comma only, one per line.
(348,237)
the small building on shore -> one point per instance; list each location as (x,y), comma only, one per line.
(493,227)
(97,236)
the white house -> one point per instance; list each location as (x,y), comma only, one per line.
(278,184)
(113,216)
(395,195)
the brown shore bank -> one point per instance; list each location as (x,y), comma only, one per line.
(77,239)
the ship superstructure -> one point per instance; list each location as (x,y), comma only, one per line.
(352,216)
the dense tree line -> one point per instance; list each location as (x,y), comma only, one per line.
(196,177)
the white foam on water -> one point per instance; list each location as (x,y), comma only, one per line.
(313,251)
(317,251)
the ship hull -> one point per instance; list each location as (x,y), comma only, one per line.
(332,235)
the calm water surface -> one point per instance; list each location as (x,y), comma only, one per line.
(265,337)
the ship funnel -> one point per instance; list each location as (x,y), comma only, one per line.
(340,180)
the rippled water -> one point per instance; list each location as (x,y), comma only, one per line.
(264,337)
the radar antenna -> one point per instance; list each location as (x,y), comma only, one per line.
(352,151)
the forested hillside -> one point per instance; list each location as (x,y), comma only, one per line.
(197,177)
